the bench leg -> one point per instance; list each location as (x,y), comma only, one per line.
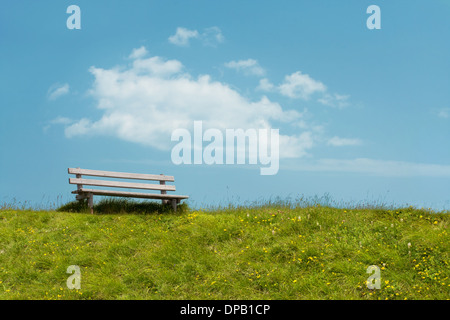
(174,204)
(91,202)
(163,183)
(80,198)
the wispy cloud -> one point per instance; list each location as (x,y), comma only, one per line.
(57,90)
(373,167)
(296,85)
(248,67)
(340,142)
(299,85)
(138,53)
(61,120)
(212,36)
(209,37)
(182,36)
(334,100)
(265,85)
(156,66)
(444,113)
(58,121)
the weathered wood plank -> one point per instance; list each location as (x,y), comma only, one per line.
(117,184)
(163,191)
(79,186)
(121,175)
(129,194)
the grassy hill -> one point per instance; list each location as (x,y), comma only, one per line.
(263,252)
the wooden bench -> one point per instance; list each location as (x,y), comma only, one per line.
(83,193)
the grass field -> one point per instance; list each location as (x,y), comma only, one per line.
(131,250)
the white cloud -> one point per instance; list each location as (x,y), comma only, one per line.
(146,101)
(182,36)
(138,53)
(302,86)
(265,85)
(249,67)
(299,85)
(156,66)
(334,100)
(82,127)
(209,37)
(296,146)
(212,36)
(340,142)
(57,90)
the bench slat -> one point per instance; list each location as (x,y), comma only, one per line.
(122,175)
(129,194)
(116,184)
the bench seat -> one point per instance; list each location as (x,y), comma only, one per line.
(129,194)
(84,193)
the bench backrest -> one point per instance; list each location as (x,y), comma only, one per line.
(80,181)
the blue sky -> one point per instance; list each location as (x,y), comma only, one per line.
(364,114)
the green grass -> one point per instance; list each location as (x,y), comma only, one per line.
(131,250)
